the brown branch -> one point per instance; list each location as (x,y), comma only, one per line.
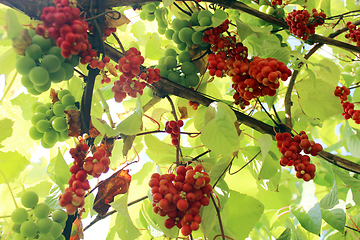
(165,87)
(287,99)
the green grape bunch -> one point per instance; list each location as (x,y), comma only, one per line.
(49,120)
(43,65)
(35,220)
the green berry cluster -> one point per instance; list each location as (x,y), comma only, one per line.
(49,120)
(43,65)
(34,221)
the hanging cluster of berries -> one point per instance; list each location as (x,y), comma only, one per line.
(173,128)
(349,111)
(152,75)
(129,65)
(73,196)
(301,24)
(251,78)
(354,33)
(181,196)
(291,148)
(63,24)
(213,35)
(194,105)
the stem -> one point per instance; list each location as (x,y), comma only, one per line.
(175,4)
(105,107)
(9,87)
(119,42)
(99,217)
(219,217)
(8,184)
(357,230)
(222,174)
(244,164)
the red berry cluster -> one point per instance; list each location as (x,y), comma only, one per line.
(180,197)
(194,105)
(291,148)
(129,65)
(62,24)
(301,24)
(349,111)
(152,75)
(342,93)
(212,35)
(217,64)
(127,86)
(260,77)
(173,128)
(108,31)
(73,196)
(354,33)
(276,2)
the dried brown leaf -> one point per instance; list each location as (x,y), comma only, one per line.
(112,21)
(183,112)
(201,63)
(20,43)
(111,68)
(79,234)
(74,122)
(128,142)
(117,184)
(54,96)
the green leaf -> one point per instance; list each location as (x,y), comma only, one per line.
(199,118)
(269,168)
(125,228)
(58,170)
(219,134)
(244,211)
(24,101)
(308,212)
(138,29)
(331,199)
(208,219)
(155,145)
(10,58)
(42,188)
(167,3)
(219,168)
(353,144)
(353,183)
(148,221)
(265,142)
(286,235)
(52,200)
(11,165)
(325,5)
(6,126)
(13,25)
(349,79)
(244,30)
(336,216)
(153,47)
(104,128)
(311,98)
(132,125)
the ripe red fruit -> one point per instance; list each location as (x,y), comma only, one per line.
(182,205)
(169,223)
(305,144)
(205,201)
(185,230)
(194,226)
(310,168)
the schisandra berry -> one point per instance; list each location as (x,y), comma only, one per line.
(292,147)
(73,196)
(173,196)
(173,128)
